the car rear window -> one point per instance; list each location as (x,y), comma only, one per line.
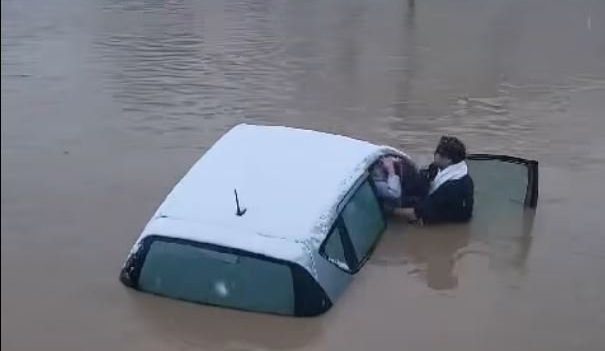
(192,273)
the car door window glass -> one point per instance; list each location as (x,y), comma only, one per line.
(498,180)
(334,249)
(363,220)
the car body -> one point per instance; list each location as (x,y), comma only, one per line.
(270,219)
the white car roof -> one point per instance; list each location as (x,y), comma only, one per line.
(289,180)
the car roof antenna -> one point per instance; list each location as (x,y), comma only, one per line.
(239,211)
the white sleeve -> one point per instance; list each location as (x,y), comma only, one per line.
(389,189)
(394,185)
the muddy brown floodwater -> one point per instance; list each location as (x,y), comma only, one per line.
(106,103)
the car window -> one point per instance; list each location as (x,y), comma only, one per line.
(363,220)
(498,181)
(192,273)
(334,249)
(505,187)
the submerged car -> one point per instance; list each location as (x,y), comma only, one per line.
(276,220)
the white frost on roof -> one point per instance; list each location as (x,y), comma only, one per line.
(289,180)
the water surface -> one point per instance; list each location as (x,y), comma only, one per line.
(105,105)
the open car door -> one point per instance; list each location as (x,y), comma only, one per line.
(506,194)
(504,180)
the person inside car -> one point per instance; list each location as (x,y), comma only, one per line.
(450,187)
(387,182)
(399,183)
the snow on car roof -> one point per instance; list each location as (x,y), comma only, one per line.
(288,180)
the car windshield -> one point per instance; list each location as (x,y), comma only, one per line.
(198,274)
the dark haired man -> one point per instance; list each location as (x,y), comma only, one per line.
(450,194)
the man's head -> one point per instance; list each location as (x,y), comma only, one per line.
(449,151)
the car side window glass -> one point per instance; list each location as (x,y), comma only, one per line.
(334,249)
(363,220)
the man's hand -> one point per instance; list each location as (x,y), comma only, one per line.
(407,213)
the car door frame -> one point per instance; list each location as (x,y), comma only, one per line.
(345,237)
(532,190)
(331,277)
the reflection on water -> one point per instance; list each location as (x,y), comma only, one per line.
(105,104)
(438,254)
(186,324)
(431,253)
(428,253)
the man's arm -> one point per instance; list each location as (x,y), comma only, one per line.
(408,213)
(434,208)
(430,210)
